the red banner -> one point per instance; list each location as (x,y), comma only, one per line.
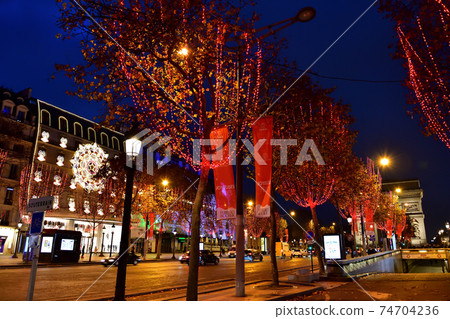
(262,136)
(223,176)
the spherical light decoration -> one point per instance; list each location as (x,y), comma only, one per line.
(86,163)
(45,136)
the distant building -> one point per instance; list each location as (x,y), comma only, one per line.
(410,198)
(38,140)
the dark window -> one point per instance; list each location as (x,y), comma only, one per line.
(115,143)
(45,118)
(20,116)
(4,218)
(63,124)
(13,171)
(78,130)
(7,110)
(9,196)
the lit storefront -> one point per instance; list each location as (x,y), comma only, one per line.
(8,236)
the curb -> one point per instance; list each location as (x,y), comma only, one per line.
(302,293)
(45,265)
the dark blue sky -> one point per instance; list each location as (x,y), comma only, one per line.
(30,50)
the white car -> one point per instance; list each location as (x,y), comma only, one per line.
(299,253)
(232,252)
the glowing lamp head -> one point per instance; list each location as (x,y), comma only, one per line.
(349,220)
(165,182)
(19,224)
(133,147)
(250,203)
(447,225)
(306,14)
(292,213)
(398,190)
(384,161)
(183,51)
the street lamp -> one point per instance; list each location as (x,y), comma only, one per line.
(447,225)
(173,252)
(103,238)
(292,213)
(249,203)
(19,228)
(112,236)
(132,149)
(398,190)
(165,182)
(384,161)
(306,14)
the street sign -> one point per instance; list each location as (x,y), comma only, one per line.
(309,235)
(37,222)
(40,204)
(310,242)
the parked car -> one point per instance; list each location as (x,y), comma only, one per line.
(184,258)
(253,255)
(299,253)
(132,259)
(206,257)
(232,252)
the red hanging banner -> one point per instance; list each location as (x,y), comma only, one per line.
(223,176)
(262,136)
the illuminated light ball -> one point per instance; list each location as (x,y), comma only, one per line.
(86,163)
(384,161)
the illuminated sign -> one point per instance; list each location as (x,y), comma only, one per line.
(67,244)
(332,246)
(47,244)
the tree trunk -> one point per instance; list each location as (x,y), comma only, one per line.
(273,257)
(92,242)
(317,235)
(192,287)
(158,246)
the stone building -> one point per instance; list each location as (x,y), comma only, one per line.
(410,198)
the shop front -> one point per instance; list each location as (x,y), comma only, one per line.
(8,237)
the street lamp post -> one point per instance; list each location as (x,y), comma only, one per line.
(19,229)
(173,250)
(103,239)
(112,237)
(132,149)
(351,221)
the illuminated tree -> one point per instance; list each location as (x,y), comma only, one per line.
(44,180)
(254,225)
(180,67)
(422,27)
(312,171)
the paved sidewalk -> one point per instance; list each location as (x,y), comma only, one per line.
(387,287)
(7,261)
(260,290)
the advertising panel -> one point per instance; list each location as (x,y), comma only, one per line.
(332,246)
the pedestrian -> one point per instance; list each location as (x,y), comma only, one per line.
(82,252)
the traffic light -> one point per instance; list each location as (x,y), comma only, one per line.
(310,248)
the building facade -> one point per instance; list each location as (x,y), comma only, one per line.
(37,142)
(410,198)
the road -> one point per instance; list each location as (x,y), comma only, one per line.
(96,281)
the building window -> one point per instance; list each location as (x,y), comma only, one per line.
(20,116)
(45,118)
(115,143)
(104,139)
(4,218)
(91,135)
(7,110)
(9,196)
(63,124)
(77,129)
(13,171)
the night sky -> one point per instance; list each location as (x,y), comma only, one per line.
(30,50)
